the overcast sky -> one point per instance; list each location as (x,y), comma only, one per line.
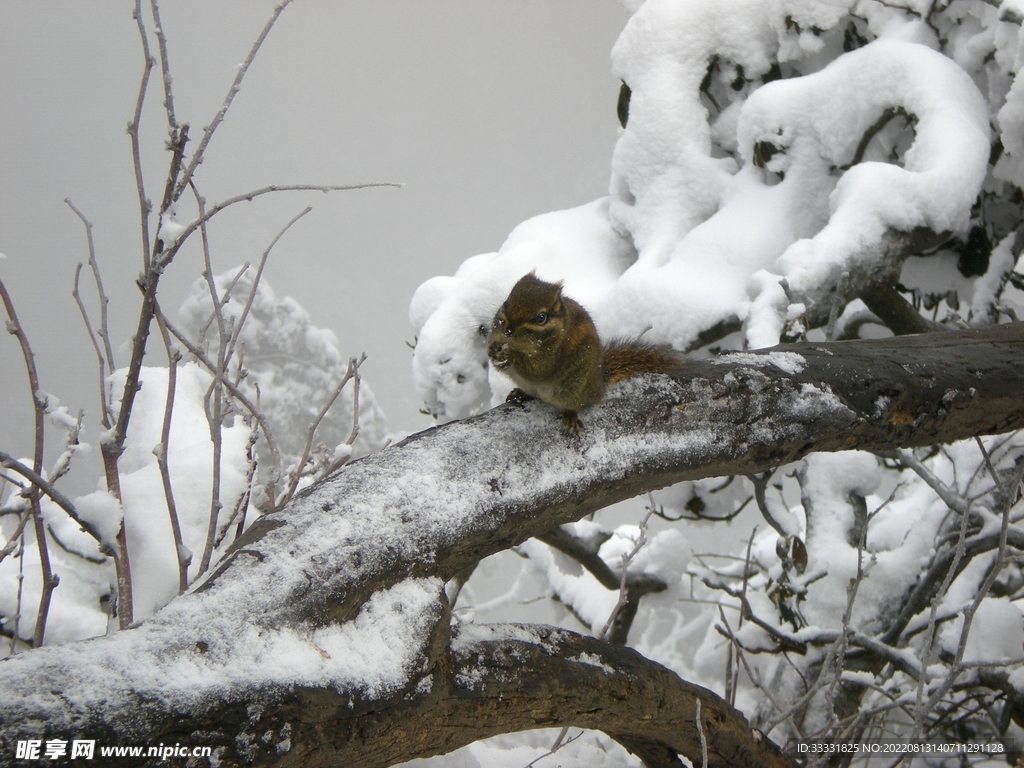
(490,112)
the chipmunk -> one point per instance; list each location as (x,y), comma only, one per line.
(548,345)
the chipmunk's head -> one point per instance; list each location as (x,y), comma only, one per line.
(528,324)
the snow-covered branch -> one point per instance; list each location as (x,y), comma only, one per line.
(272,632)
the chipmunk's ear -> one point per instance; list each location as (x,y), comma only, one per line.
(556,305)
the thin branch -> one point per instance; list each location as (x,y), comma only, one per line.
(872,131)
(243,500)
(4,479)
(760,483)
(182,556)
(21,586)
(949,496)
(780,636)
(238,395)
(838,302)
(355,404)
(353,368)
(219,306)
(754,678)
(249,196)
(177,134)
(255,286)
(49,578)
(13,542)
(165,65)
(200,153)
(560,741)
(145,207)
(104,409)
(208,275)
(58,498)
(623,591)
(215,417)
(104,329)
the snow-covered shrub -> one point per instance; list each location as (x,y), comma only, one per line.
(294,365)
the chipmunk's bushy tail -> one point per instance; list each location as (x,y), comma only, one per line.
(624,359)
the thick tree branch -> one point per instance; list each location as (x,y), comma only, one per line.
(447,497)
(503,678)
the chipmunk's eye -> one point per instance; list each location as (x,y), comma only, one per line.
(541,318)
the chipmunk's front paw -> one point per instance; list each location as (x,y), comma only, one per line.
(518,396)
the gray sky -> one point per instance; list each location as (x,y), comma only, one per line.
(490,112)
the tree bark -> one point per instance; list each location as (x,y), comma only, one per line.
(229,664)
(501,678)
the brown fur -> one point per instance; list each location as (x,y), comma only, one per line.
(548,345)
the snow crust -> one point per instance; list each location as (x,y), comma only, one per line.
(183,664)
(788,362)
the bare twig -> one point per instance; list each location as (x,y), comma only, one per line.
(208,275)
(106,365)
(220,304)
(783,638)
(754,678)
(268,433)
(623,590)
(355,404)
(949,496)
(165,65)
(4,479)
(145,207)
(760,483)
(14,542)
(55,496)
(243,500)
(49,578)
(177,134)
(200,153)
(172,249)
(733,674)
(104,407)
(215,416)
(182,556)
(255,287)
(353,370)
(560,741)
(21,586)
(930,650)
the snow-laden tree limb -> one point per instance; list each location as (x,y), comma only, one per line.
(336,598)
